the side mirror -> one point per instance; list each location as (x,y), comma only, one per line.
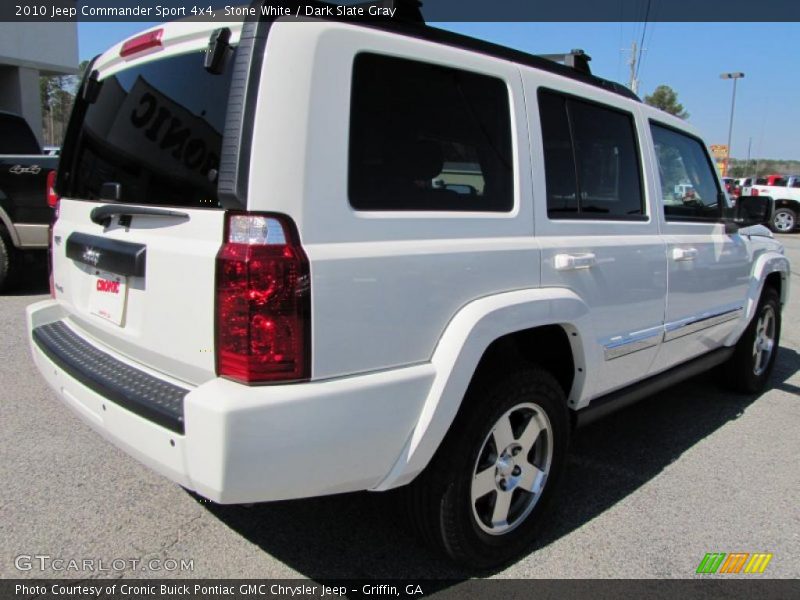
(749,211)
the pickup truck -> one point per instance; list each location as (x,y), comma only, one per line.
(787,203)
(25,213)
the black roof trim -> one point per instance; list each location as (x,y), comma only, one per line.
(457,40)
(409,22)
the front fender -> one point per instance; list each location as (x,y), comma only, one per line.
(767,263)
(460,349)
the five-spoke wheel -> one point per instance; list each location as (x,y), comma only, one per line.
(481,496)
(511,469)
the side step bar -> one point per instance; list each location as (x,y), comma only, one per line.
(605,405)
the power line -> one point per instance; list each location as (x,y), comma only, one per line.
(644,31)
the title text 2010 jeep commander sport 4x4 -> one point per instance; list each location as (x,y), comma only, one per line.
(295,259)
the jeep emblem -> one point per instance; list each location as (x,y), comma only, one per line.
(91,256)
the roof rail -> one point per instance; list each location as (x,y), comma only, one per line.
(575,58)
(408,20)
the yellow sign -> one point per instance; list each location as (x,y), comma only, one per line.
(719,151)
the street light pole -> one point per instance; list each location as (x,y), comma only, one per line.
(733,76)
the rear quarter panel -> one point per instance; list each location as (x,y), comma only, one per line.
(384,285)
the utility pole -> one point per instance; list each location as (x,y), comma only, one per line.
(733,76)
(749,145)
(633,83)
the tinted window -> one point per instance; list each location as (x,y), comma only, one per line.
(156,129)
(591,160)
(559,160)
(16,136)
(688,184)
(425,137)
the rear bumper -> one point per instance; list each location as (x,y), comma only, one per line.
(251,444)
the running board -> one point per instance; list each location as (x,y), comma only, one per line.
(605,405)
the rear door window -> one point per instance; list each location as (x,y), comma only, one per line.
(427,137)
(156,129)
(591,159)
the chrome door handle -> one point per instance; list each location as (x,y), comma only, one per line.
(684,254)
(572,262)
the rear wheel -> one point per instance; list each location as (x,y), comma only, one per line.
(784,220)
(8,262)
(480,498)
(754,357)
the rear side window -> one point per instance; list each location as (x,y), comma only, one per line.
(425,137)
(591,160)
(156,129)
(16,136)
(689,186)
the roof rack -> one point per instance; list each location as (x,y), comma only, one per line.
(575,58)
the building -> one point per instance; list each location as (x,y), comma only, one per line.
(28,50)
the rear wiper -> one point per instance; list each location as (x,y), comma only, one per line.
(102,214)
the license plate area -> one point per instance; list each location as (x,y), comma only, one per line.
(108,295)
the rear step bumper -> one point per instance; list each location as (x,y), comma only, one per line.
(141,393)
(239,443)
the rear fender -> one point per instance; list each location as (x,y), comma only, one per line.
(460,349)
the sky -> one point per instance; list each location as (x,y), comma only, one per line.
(689,57)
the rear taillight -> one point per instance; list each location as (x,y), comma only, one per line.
(263,304)
(52,202)
(52,197)
(146,41)
(50,247)
(754,192)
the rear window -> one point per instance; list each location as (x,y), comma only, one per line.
(155,129)
(16,136)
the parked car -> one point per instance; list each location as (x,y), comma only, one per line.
(787,203)
(25,212)
(741,185)
(264,287)
(729,183)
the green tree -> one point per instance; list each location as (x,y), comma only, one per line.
(665,98)
(57,94)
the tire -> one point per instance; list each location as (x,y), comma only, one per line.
(750,367)
(784,220)
(8,263)
(489,455)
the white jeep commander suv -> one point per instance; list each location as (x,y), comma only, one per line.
(301,258)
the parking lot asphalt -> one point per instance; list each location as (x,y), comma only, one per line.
(647,493)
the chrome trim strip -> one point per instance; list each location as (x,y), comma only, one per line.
(693,325)
(622,346)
